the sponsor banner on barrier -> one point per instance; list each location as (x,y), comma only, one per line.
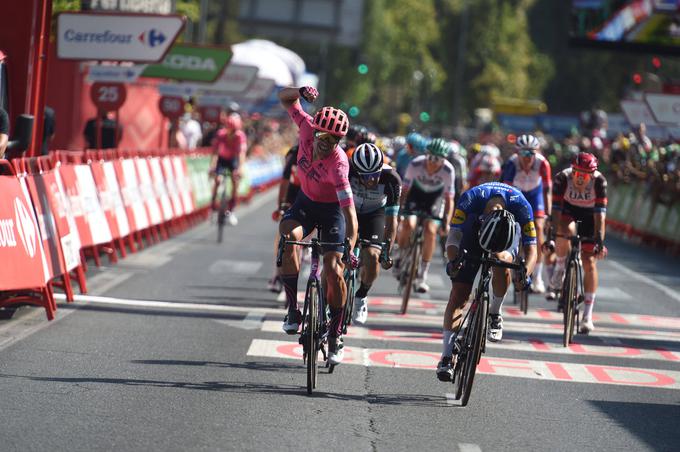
(173,190)
(147,191)
(107,197)
(66,222)
(94,214)
(160,188)
(132,198)
(179,165)
(38,187)
(201,183)
(20,242)
(116,199)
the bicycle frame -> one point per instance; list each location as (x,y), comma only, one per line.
(409,268)
(573,302)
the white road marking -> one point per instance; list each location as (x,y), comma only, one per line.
(613,293)
(436,281)
(644,279)
(170,305)
(253,321)
(451,399)
(104,282)
(27,325)
(222,266)
(468,447)
(281,296)
(516,368)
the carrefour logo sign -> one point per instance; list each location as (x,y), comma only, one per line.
(152,38)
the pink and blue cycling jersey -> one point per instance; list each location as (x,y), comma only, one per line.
(531,182)
(325,180)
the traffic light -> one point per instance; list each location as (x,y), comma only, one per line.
(362,69)
(424,116)
(656,62)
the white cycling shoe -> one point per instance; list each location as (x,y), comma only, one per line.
(586,326)
(231,219)
(495,327)
(421,286)
(336,350)
(360,310)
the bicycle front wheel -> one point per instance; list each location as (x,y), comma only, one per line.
(473,343)
(569,300)
(350,281)
(412,271)
(311,335)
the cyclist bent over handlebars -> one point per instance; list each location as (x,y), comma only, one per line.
(487,218)
(324,201)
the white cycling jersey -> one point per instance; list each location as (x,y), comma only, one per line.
(418,176)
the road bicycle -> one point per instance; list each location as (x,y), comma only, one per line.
(223,213)
(520,295)
(571,295)
(470,340)
(351,275)
(410,259)
(315,314)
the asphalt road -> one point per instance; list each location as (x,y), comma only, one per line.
(179,347)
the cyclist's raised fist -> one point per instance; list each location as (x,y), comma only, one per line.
(308,93)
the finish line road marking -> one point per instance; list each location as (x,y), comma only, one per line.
(517,368)
(611,349)
(649,281)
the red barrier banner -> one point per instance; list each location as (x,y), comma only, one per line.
(38,187)
(21,252)
(183,183)
(160,187)
(173,190)
(108,196)
(132,198)
(116,199)
(66,222)
(147,190)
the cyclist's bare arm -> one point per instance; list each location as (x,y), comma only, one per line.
(283,189)
(351,224)
(599,218)
(390,227)
(530,256)
(288,96)
(448,211)
(547,199)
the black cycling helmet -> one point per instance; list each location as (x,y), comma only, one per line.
(498,231)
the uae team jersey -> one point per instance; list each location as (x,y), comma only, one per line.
(471,206)
(325,180)
(593,196)
(417,176)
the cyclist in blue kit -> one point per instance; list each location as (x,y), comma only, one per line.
(488,218)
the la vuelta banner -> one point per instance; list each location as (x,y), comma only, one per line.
(21,251)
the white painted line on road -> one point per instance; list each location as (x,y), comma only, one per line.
(649,281)
(27,325)
(253,321)
(517,368)
(613,293)
(451,399)
(170,305)
(103,282)
(222,266)
(468,447)
(281,296)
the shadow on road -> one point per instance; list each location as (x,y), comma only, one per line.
(655,424)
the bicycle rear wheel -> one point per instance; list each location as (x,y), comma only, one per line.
(312,335)
(569,300)
(221,216)
(412,271)
(474,346)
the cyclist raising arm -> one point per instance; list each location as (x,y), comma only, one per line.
(229,153)
(580,194)
(324,199)
(484,220)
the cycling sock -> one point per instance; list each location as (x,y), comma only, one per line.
(363,290)
(424,268)
(447,343)
(290,283)
(538,271)
(558,272)
(336,322)
(588,305)
(496,304)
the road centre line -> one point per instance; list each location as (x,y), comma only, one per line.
(649,281)
(468,447)
(516,368)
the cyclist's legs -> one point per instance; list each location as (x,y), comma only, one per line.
(565,229)
(371,228)
(453,315)
(235,178)
(369,265)
(590,282)
(290,266)
(406,227)
(500,281)
(216,184)
(429,239)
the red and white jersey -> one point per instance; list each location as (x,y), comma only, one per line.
(537,175)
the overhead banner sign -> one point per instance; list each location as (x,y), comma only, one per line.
(664,107)
(176,90)
(146,6)
(116,37)
(117,74)
(637,112)
(189,62)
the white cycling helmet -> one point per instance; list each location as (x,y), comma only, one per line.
(498,231)
(367,158)
(528,142)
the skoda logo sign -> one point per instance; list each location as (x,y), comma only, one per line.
(26,227)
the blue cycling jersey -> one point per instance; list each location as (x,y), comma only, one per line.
(472,203)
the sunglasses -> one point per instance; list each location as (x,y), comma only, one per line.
(583,174)
(370,177)
(526,153)
(434,158)
(325,136)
